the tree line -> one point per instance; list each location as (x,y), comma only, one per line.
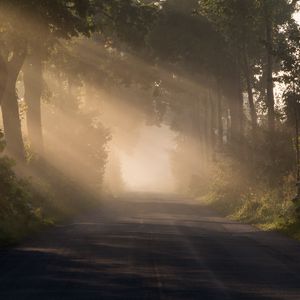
(222,74)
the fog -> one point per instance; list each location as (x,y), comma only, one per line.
(112,121)
(148,167)
(113,136)
(92,132)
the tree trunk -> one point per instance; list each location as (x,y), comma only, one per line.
(198,130)
(205,129)
(249,82)
(12,123)
(3,78)
(10,108)
(212,126)
(33,81)
(236,113)
(269,70)
(219,118)
(297,146)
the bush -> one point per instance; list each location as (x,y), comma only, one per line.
(242,190)
(18,214)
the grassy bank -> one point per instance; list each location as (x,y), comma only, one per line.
(239,194)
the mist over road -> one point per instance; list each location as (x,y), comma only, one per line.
(152,247)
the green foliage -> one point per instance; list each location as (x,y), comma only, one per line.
(187,41)
(226,187)
(255,191)
(62,197)
(19,203)
(249,45)
(201,57)
(48,196)
(253,202)
(125,21)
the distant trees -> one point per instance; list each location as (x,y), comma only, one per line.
(251,29)
(227,61)
(210,67)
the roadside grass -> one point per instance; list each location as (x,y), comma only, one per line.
(41,211)
(15,229)
(270,209)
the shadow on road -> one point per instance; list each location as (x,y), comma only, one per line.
(152,250)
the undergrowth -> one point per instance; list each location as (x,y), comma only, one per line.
(45,197)
(19,204)
(242,194)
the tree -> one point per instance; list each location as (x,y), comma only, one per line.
(32,26)
(273,15)
(236,21)
(10,109)
(124,20)
(3,78)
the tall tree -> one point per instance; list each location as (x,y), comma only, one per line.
(114,20)
(272,15)
(10,108)
(25,23)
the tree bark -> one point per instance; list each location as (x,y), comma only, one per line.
(3,78)
(219,118)
(269,69)
(249,82)
(236,112)
(10,108)
(213,119)
(33,81)
(206,132)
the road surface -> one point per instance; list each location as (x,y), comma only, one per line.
(152,247)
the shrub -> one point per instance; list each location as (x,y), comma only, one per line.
(18,214)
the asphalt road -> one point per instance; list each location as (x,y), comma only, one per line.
(152,247)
